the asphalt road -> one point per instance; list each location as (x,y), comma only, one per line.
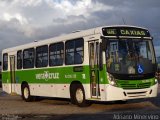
(14,108)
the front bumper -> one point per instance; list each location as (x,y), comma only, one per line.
(115,93)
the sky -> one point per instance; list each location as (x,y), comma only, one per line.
(24,21)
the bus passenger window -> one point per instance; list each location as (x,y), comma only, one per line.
(78,58)
(28,58)
(5,61)
(79,48)
(19,59)
(56,53)
(42,56)
(74,51)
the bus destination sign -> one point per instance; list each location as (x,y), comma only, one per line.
(125,31)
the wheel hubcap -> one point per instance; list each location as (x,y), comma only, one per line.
(26,92)
(79,95)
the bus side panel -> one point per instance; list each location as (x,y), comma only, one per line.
(6,82)
(87,91)
(63,90)
(16,88)
(48,90)
(52,81)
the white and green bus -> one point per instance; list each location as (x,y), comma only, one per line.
(110,63)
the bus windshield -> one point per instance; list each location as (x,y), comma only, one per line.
(130,56)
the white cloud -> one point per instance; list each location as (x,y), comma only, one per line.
(47,12)
(27,2)
(17,16)
(81,7)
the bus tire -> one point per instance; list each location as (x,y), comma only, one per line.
(78,96)
(72,95)
(26,93)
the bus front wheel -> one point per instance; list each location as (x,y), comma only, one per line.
(26,93)
(79,96)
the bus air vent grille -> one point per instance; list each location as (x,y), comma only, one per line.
(135,86)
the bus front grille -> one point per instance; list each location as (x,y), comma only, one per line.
(136,94)
(135,86)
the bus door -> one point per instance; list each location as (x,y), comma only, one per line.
(94,70)
(12,73)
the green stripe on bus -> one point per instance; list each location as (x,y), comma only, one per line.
(52,75)
(65,75)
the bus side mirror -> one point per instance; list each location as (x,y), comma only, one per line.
(100,57)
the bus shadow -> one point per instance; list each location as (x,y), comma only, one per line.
(132,105)
(156,100)
(114,105)
(2,93)
(54,101)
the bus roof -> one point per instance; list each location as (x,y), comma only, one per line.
(70,36)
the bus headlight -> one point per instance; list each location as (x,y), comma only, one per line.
(111,80)
(156,81)
(113,83)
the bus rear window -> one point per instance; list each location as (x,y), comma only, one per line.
(5,61)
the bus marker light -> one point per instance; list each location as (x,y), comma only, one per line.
(150,92)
